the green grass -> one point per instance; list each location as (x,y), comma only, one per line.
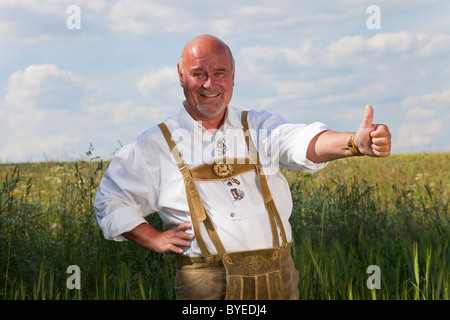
(392,213)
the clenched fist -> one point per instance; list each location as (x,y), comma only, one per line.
(373,140)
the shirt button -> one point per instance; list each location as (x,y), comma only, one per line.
(232,215)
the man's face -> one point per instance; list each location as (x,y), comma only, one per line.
(207,78)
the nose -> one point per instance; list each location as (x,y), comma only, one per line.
(209,84)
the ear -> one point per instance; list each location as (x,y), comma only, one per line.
(180,74)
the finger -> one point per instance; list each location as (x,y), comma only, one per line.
(368,117)
(381,150)
(384,141)
(382,154)
(173,244)
(180,231)
(380,131)
(184,235)
(174,248)
(179,238)
(179,242)
(183,226)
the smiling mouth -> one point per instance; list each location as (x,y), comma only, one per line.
(209,94)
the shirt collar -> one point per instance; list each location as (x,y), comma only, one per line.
(186,121)
(232,119)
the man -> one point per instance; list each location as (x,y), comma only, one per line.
(236,216)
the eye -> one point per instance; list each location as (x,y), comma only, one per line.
(198,74)
(220,73)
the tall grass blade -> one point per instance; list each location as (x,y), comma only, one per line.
(416,271)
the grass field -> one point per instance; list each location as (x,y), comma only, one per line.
(360,212)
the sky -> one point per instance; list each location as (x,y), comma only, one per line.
(83,75)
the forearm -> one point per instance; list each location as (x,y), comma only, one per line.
(329,145)
(143,235)
(372,140)
(149,238)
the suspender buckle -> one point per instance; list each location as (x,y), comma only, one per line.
(178,164)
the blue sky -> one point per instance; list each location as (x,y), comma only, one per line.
(105,83)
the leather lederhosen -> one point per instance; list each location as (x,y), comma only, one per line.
(264,274)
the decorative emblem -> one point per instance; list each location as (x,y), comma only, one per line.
(233,180)
(221,147)
(237,194)
(254,262)
(222,170)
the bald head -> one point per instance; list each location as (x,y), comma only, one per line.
(201,45)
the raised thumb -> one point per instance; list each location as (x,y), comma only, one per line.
(368,117)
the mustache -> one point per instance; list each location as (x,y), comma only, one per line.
(206,92)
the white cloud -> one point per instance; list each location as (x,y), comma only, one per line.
(419,133)
(52,7)
(439,100)
(420,113)
(47,110)
(163,80)
(43,86)
(222,27)
(354,115)
(145,17)
(303,89)
(391,71)
(394,42)
(356,51)
(360,49)
(37,6)
(425,116)
(95,6)
(410,135)
(421,44)
(38,111)
(30,134)
(35,22)
(119,114)
(346,46)
(127,112)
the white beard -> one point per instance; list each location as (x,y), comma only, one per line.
(208,112)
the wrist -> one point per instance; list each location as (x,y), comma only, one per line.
(352,146)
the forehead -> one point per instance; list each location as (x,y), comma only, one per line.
(207,55)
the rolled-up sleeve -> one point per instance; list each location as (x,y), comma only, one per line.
(294,143)
(287,143)
(125,195)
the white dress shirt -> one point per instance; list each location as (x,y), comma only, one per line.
(143,178)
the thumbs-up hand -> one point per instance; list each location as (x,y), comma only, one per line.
(373,139)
